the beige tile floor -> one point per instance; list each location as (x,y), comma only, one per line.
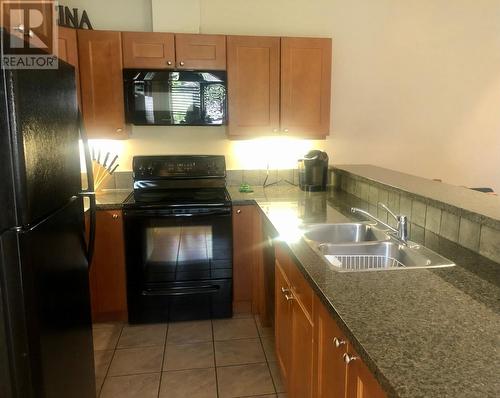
(200,359)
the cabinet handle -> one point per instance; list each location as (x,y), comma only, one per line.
(169,63)
(348,358)
(289,297)
(285,130)
(115,216)
(338,342)
(275,130)
(119,130)
(181,63)
(238,211)
(284,290)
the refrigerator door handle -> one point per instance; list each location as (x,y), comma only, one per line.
(89,192)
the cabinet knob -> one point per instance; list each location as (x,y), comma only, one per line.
(275,130)
(289,297)
(115,216)
(181,63)
(348,358)
(285,130)
(119,130)
(169,63)
(238,211)
(338,342)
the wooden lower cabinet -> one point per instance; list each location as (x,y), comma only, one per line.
(330,346)
(247,259)
(300,384)
(294,331)
(107,272)
(283,321)
(360,382)
(310,347)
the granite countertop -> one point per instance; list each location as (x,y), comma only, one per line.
(109,199)
(478,203)
(423,333)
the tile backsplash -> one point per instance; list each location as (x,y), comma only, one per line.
(123,179)
(425,215)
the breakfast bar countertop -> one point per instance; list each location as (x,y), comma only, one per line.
(422,332)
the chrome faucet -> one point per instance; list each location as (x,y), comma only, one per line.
(401,232)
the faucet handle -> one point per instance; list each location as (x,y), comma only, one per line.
(382,205)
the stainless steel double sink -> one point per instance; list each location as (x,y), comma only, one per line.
(358,247)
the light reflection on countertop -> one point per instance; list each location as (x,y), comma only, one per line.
(290,217)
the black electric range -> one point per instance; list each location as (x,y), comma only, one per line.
(178,237)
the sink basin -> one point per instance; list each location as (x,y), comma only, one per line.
(344,233)
(378,256)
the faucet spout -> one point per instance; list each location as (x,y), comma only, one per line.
(401,232)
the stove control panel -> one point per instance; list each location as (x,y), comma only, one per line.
(178,167)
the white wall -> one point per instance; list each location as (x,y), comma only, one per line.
(416,84)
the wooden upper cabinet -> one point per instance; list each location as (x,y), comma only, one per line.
(148,50)
(253,70)
(68,52)
(306,86)
(194,51)
(100,56)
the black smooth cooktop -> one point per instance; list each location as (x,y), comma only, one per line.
(178,197)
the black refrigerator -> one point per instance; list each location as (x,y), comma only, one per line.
(45,321)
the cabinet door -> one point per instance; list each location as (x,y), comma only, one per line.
(305,86)
(253,70)
(283,321)
(300,382)
(68,52)
(148,50)
(242,258)
(107,272)
(205,52)
(100,56)
(360,382)
(331,345)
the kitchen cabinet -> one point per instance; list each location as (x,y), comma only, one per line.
(294,327)
(315,357)
(247,259)
(360,382)
(279,86)
(330,347)
(253,71)
(305,86)
(148,50)
(107,271)
(205,52)
(101,80)
(283,320)
(68,52)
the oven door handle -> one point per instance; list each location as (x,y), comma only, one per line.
(183,291)
(159,214)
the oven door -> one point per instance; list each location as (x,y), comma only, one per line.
(179,263)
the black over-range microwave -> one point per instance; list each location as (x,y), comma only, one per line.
(185,98)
